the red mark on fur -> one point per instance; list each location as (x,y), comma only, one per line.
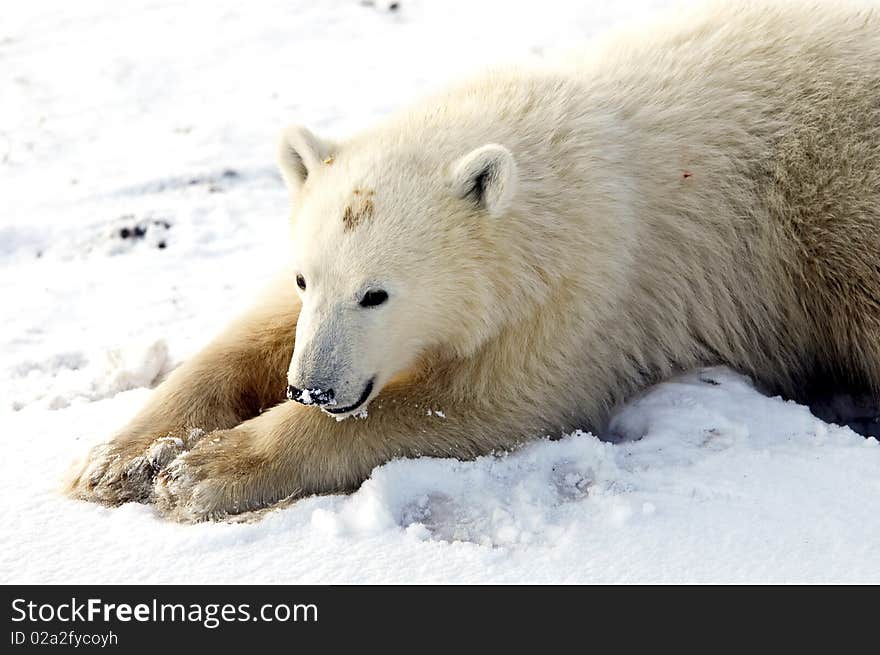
(687,174)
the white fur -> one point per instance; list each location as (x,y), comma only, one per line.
(626,182)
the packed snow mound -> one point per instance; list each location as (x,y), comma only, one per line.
(678,437)
(77,376)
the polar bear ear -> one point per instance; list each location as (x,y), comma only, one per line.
(487,177)
(299,153)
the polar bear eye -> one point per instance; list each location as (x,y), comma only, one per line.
(373,298)
(301,282)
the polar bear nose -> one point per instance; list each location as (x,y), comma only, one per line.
(311,396)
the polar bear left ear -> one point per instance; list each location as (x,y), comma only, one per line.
(300,153)
(486,176)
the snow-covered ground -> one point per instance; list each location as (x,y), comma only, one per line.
(157,120)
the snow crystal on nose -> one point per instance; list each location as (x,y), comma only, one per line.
(317,396)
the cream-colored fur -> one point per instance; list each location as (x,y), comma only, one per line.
(702,192)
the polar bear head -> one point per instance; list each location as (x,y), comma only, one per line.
(390,252)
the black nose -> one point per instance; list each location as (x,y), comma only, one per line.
(311,396)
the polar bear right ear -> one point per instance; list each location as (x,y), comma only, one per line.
(299,153)
(486,176)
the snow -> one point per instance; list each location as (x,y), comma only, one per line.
(142,207)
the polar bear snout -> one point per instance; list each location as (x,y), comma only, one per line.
(314,378)
(337,360)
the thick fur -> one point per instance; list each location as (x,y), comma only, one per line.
(701,192)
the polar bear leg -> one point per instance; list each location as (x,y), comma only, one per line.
(240,373)
(294,450)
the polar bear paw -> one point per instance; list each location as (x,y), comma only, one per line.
(221,478)
(123,470)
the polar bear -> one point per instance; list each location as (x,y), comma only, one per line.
(518,254)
